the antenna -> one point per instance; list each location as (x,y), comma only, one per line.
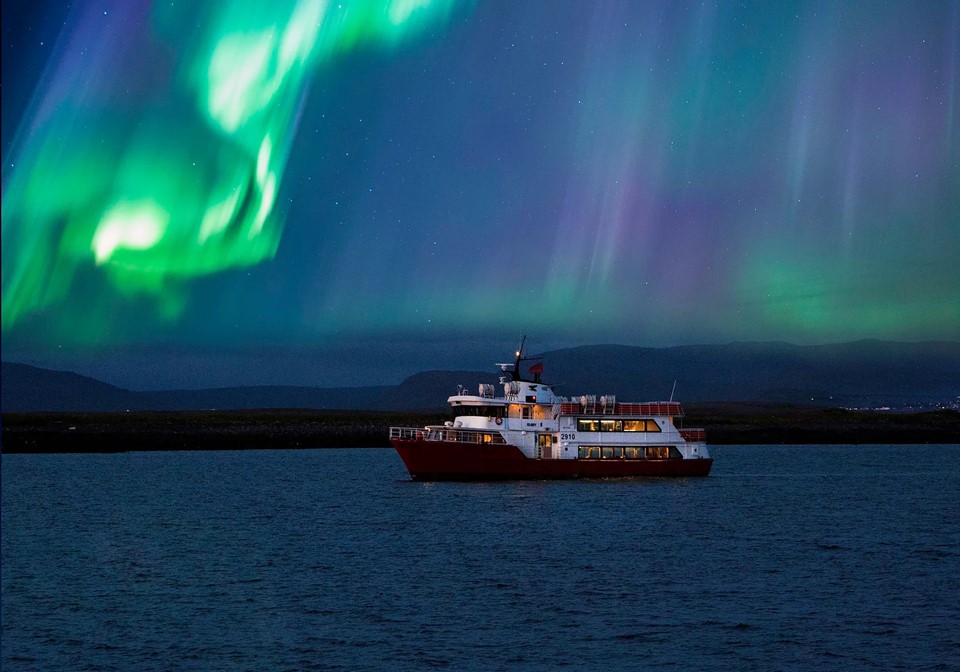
(516,366)
(673,390)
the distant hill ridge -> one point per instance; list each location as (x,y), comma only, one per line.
(858,373)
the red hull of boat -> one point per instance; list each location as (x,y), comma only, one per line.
(451,461)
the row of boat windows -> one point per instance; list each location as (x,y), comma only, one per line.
(629,453)
(597,425)
(482,411)
(527,412)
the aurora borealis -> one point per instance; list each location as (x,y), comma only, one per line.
(262,178)
(181,180)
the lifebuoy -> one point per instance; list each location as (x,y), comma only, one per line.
(499,421)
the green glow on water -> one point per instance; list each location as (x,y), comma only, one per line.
(151,193)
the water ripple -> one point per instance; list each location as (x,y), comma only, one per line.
(332,560)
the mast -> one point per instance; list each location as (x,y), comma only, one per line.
(516,367)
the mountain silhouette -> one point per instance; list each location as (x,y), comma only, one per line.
(861,373)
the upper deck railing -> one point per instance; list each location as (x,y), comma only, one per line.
(445,434)
(672,408)
(694,435)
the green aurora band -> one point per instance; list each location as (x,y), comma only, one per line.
(145,194)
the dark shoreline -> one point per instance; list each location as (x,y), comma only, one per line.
(726,424)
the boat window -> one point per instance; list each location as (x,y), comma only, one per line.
(628,452)
(526,412)
(481,411)
(598,425)
(640,426)
(589,452)
(663,453)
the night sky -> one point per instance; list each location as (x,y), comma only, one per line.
(348,192)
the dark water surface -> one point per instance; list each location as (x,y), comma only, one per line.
(797,557)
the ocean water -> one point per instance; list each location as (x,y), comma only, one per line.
(796,557)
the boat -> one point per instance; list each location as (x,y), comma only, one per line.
(531,433)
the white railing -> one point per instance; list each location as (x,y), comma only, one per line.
(693,435)
(407,433)
(445,434)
